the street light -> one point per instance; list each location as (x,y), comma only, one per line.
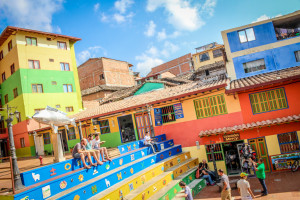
(212,150)
(149,108)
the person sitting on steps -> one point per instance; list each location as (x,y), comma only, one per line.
(96,145)
(95,153)
(207,177)
(150,143)
(204,166)
(79,151)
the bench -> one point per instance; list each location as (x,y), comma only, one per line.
(231,182)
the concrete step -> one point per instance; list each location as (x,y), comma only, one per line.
(122,188)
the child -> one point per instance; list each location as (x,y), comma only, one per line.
(186,190)
(149,142)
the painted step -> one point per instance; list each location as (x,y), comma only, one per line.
(161,181)
(197,185)
(101,183)
(138,144)
(125,187)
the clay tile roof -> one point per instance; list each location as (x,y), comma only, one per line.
(252,82)
(211,66)
(242,127)
(99,88)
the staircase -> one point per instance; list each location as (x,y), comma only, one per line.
(136,173)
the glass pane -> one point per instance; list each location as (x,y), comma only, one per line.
(67,67)
(297,54)
(250,34)
(40,88)
(62,67)
(70,88)
(33,40)
(30,64)
(34,89)
(28,41)
(65,88)
(36,64)
(242,36)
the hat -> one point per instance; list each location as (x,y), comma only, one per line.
(243,174)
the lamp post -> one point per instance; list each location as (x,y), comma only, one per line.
(149,108)
(212,150)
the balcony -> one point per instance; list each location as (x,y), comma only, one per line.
(287,27)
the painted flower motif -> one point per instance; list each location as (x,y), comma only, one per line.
(80,177)
(121,161)
(131,170)
(107,166)
(164,182)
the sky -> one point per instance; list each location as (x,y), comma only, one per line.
(145,33)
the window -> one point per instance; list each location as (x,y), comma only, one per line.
(206,72)
(297,55)
(22,142)
(1,55)
(53,83)
(217,53)
(104,126)
(57,106)
(68,88)
(46,137)
(217,152)
(246,35)
(9,45)
(64,67)
(51,60)
(71,134)
(95,121)
(101,77)
(12,69)
(3,77)
(268,101)
(62,45)
(168,114)
(203,57)
(288,142)
(210,106)
(34,64)
(254,66)
(69,109)
(19,118)
(38,110)
(15,92)
(31,41)
(49,39)
(6,98)
(37,88)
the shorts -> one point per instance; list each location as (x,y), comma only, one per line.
(77,155)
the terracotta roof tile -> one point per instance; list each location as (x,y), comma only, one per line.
(99,88)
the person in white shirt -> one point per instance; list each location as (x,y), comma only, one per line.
(150,143)
(244,188)
(96,145)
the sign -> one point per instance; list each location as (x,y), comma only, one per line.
(231,137)
(157,116)
(283,161)
(46,191)
(178,111)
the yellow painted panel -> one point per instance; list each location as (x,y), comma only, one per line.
(187,166)
(177,160)
(31,140)
(23,152)
(272,144)
(17,102)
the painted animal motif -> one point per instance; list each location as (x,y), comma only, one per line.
(35,177)
(107,182)
(119,176)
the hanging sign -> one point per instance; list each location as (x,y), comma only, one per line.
(231,137)
(157,116)
(178,111)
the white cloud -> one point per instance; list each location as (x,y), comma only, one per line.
(33,14)
(104,17)
(181,14)
(123,5)
(169,48)
(96,7)
(265,17)
(91,52)
(162,34)
(153,51)
(119,18)
(150,29)
(146,63)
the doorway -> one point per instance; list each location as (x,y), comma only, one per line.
(259,146)
(3,148)
(64,142)
(126,128)
(85,131)
(142,123)
(232,157)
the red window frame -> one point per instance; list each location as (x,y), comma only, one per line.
(12,69)
(58,45)
(34,64)
(10,45)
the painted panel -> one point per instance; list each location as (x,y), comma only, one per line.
(283,162)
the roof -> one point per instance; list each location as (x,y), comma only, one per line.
(9,30)
(242,127)
(152,97)
(99,88)
(90,59)
(210,66)
(90,104)
(289,74)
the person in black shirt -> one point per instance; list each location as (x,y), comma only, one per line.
(204,171)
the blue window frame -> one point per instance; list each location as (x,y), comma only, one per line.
(71,134)
(104,126)
(46,137)
(288,142)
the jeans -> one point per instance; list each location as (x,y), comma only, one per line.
(263,184)
(207,177)
(153,146)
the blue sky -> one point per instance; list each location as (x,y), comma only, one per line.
(144,33)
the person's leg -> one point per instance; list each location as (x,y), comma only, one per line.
(229,194)
(207,177)
(98,155)
(90,159)
(97,158)
(106,153)
(263,184)
(155,146)
(150,145)
(224,195)
(82,156)
(102,154)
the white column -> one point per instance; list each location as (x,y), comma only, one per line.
(57,147)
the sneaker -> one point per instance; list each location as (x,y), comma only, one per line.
(264,194)
(213,184)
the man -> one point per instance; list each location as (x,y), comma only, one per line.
(96,145)
(186,190)
(79,151)
(150,143)
(207,177)
(95,153)
(260,174)
(204,166)
(244,188)
(226,192)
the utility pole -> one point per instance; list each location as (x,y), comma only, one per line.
(150,120)
(212,150)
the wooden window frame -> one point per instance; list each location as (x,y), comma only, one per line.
(15,92)
(72,134)
(218,54)
(6,98)
(36,87)
(46,138)
(289,143)
(246,35)
(12,69)
(22,142)
(172,113)
(268,105)
(1,55)
(219,106)
(104,127)
(58,45)
(9,45)
(34,64)
(3,76)
(31,41)
(65,66)
(68,107)
(220,152)
(68,88)
(203,54)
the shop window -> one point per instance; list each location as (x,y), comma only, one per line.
(168,114)
(253,66)
(3,77)
(46,137)
(217,53)
(1,55)
(10,45)
(37,88)
(218,152)
(62,45)
(15,91)
(104,126)
(34,64)
(267,101)
(31,41)
(203,57)
(297,55)
(68,88)
(22,142)
(69,109)
(64,66)
(12,69)
(246,35)
(288,142)
(6,98)
(71,134)
(210,106)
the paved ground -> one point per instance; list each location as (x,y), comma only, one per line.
(281,186)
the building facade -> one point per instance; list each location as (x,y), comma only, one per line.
(38,69)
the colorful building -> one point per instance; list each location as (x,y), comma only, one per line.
(37,69)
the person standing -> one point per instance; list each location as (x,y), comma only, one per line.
(186,190)
(244,187)
(226,192)
(260,174)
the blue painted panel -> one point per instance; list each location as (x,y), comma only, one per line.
(264,34)
(166,144)
(275,59)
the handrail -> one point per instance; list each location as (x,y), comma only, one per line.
(11,172)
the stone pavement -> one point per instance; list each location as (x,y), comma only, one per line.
(281,186)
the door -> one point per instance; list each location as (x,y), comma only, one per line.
(259,146)
(85,132)
(64,142)
(39,142)
(142,123)
(126,128)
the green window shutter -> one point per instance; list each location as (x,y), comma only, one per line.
(263,101)
(272,100)
(207,111)
(281,98)
(254,103)
(213,105)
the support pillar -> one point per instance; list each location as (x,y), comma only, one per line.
(57,147)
